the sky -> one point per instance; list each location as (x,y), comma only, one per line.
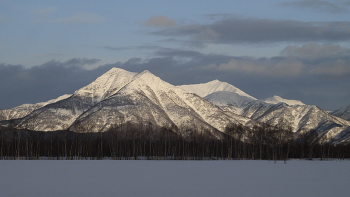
(294,49)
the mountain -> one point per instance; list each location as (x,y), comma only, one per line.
(226,96)
(275,111)
(149,99)
(25,109)
(301,119)
(343,113)
(230,98)
(60,115)
(119,97)
(204,89)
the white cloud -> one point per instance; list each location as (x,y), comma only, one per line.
(160,21)
(83,18)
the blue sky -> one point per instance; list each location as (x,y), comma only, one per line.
(294,49)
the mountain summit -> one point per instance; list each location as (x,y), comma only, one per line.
(204,89)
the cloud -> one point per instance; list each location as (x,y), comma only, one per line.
(338,68)
(116,48)
(186,43)
(318,5)
(160,21)
(178,53)
(254,30)
(324,82)
(46,11)
(83,18)
(266,67)
(21,85)
(312,82)
(144,47)
(313,50)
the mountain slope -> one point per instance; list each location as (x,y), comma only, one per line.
(276,99)
(25,109)
(149,99)
(119,97)
(343,113)
(229,101)
(275,111)
(301,119)
(60,115)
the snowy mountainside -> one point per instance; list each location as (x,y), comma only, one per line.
(224,95)
(25,109)
(149,99)
(119,96)
(106,85)
(229,101)
(277,99)
(301,118)
(60,115)
(343,113)
(275,110)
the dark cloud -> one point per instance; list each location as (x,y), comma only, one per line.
(313,50)
(254,30)
(19,85)
(178,53)
(318,5)
(321,82)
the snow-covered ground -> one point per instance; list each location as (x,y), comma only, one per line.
(174,178)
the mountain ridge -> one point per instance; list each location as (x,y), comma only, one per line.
(119,96)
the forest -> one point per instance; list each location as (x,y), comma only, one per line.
(147,142)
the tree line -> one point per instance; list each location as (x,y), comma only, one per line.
(145,141)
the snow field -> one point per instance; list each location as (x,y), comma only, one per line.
(174,178)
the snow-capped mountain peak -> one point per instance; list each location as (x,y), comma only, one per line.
(107,84)
(277,99)
(204,89)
